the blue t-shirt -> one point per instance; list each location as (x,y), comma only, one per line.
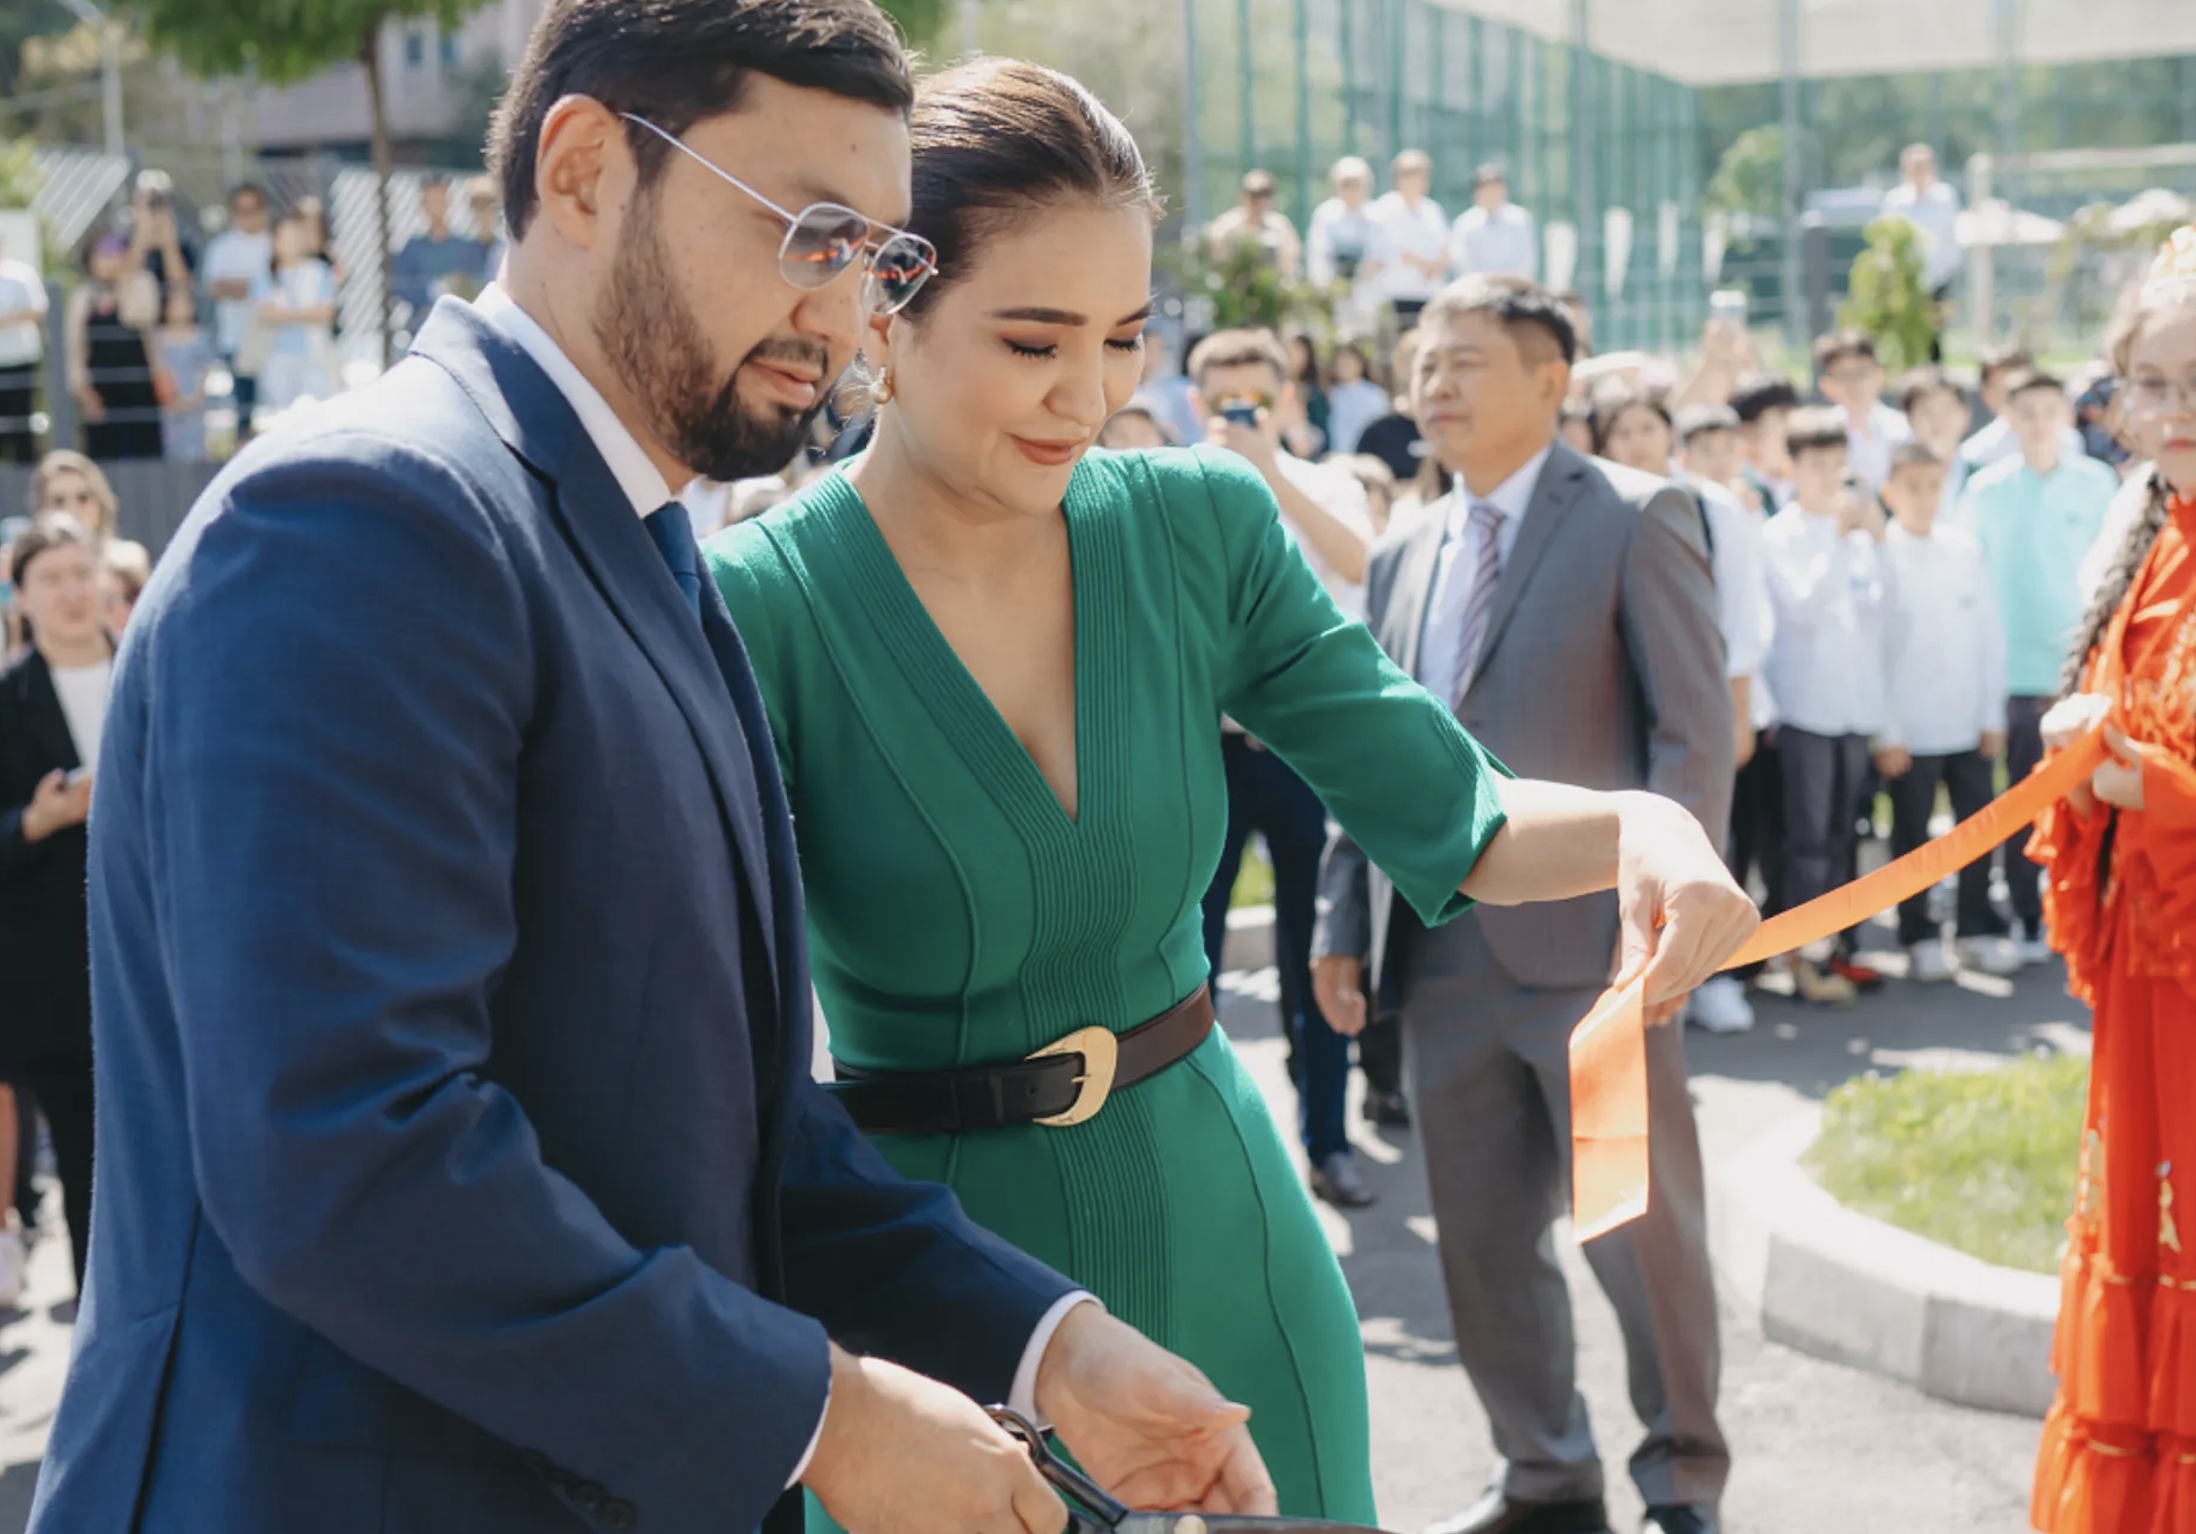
(2034,530)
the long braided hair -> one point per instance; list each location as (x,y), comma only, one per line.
(2139,306)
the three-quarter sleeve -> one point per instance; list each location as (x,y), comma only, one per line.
(1386,757)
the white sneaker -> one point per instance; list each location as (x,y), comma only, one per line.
(1989,955)
(1720,1006)
(14,1259)
(1928,963)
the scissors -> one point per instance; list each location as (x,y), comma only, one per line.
(1092,1511)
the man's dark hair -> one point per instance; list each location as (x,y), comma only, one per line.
(1814,429)
(1526,311)
(1238,348)
(2005,357)
(2031,381)
(1834,348)
(1698,420)
(1759,393)
(1911,454)
(1922,382)
(677,62)
(248,189)
(999,141)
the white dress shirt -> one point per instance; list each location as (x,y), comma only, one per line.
(1403,230)
(1337,492)
(1438,662)
(1826,660)
(1742,589)
(1998,441)
(22,291)
(1340,239)
(645,487)
(1935,214)
(1944,652)
(83,694)
(1502,242)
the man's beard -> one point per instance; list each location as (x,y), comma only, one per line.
(667,366)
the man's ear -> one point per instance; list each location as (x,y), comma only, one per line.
(1554,378)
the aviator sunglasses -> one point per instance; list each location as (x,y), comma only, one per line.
(824,239)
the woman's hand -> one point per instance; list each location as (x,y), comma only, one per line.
(1681,913)
(2072,718)
(95,408)
(2119,781)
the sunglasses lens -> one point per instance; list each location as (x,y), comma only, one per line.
(902,265)
(823,242)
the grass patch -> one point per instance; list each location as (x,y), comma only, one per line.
(1254,882)
(1982,1161)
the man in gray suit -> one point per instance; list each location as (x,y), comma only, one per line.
(1566,605)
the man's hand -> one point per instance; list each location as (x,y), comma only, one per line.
(1147,1426)
(1860,512)
(902,1454)
(1991,746)
(1338,985)
(56,804)
(1748,743)
(1894,761)
(2072,718)
(1680,913)
(1260,444)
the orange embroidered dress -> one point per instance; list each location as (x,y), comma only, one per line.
(2119,1448)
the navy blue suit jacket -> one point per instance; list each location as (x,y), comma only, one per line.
(459,1165)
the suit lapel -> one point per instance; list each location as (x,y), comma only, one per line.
(1404,622)
(1561,479)
(533,417)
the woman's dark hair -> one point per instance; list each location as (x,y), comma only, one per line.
(997,140)
(676,62)
(2126,325)
(48,530)
(1610,403)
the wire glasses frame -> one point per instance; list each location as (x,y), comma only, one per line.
(824,239)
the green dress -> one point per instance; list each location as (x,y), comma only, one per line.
(959,917)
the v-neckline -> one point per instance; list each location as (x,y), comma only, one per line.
(930,657)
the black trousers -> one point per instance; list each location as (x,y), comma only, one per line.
(1757,830)
(1822,784)
(1966,776)
(63,1087)
(2023,750)
(18,396)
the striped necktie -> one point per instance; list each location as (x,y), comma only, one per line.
(673,532)
(1486,520)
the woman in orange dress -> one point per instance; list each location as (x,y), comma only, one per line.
(2119,1448)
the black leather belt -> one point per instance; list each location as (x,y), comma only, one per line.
(1063,1083)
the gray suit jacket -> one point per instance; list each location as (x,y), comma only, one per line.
(1602,667)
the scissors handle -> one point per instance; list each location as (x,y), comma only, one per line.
(1095,1512)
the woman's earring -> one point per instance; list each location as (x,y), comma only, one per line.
(881,393)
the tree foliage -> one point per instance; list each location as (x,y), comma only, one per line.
(1749,179)
(1890,297)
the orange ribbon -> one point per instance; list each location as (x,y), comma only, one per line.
(1609,1049)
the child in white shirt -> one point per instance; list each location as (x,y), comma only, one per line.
(1944,678)
(1826,586)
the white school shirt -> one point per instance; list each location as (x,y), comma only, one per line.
(644,486)
(1337,492)
(1944,650)
(1826,660)
(1438,662)
(1742,589)
(1870,454)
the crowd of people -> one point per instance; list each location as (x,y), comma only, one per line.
(161,330)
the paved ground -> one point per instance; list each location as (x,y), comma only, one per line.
(1820,1449)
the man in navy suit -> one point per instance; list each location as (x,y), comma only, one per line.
(459,1167)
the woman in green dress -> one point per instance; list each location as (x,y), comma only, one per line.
(995,663)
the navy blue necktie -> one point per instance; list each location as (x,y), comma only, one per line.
(673,531)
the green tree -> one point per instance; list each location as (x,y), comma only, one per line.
(921,21)
(285,41)
(1749,179)
(1889,297)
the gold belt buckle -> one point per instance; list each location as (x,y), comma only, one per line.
(1101,1052)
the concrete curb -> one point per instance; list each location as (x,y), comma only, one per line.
(1841,1286)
